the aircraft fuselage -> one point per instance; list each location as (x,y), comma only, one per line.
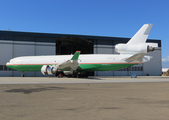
(94,62)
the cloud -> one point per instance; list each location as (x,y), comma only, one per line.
(165,62)
(165,59)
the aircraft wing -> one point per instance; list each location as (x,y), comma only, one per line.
(71,64)
(136,58)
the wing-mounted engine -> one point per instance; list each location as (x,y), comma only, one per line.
(134,48)
(70,66)
(50,70)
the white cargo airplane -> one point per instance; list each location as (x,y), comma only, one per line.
(131,53)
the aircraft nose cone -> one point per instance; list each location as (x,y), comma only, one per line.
(7,63)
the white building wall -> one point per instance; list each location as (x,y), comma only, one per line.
(42,48)
(104,73)
(23,48)
(5,73)
(154,66)
(121,73)
(6,49)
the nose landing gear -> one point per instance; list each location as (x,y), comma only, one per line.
(22,74)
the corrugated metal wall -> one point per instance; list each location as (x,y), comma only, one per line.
(24,46)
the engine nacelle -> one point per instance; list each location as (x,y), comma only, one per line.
(129,48)
(46,69)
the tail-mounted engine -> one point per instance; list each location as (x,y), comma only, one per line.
(50,70)
(132,48)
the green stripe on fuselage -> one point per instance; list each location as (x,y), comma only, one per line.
(103,67)
(84,67)
(25,67)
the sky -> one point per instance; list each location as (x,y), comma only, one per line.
(114,18)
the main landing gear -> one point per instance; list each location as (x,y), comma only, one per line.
(74,75)
(78,75)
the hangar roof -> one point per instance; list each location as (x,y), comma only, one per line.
(55,35)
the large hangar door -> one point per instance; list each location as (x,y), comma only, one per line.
(69,45)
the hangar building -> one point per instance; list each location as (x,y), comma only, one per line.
(15,44)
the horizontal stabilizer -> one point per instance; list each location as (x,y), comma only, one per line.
(136,58)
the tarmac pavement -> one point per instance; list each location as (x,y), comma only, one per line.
(35,99)
(51,80)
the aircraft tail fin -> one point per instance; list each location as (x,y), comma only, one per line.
(141,35)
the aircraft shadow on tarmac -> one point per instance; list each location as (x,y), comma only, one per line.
(92,78)
(31,90)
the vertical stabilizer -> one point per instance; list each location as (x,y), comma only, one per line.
(141,35)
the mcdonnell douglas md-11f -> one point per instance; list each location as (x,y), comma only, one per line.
(131,53)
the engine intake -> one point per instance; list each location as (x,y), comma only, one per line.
(47,69)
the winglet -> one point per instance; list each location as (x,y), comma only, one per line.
(76,55)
